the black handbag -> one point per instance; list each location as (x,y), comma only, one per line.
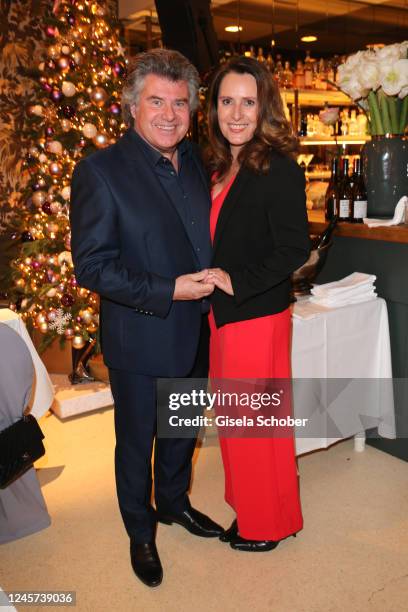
(20,445)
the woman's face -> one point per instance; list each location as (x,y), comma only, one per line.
(237,109)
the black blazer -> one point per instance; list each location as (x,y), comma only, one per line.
(261,237)
(129,243)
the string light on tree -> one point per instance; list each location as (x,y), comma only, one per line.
(77,112)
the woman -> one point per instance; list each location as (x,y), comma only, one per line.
(260,236)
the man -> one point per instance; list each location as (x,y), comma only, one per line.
(140,238)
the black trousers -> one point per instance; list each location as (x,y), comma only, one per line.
(135,428)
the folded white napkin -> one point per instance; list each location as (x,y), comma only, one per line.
(343,301)
(348,283)
(400,215)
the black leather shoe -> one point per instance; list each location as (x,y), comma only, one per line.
(146,563)
(194,521)
(231,533)
(239,543)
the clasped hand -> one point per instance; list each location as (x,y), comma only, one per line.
(199,285)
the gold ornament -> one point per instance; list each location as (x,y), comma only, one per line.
(99,96)
(63,64)
(82,292)
(92,328)
(43,328)
(51,292)
(55,169)
(35,110)
(55,208)
(41,318)
(89,130)
(100,141)
(20,282)
(66,192)
(54,147)
(65,257)
(33,151)
(77,57)
(86,316)
(51,228)
(78,342)
(39,198)
(68,89)
(54,51)
(65,49)
(66,125)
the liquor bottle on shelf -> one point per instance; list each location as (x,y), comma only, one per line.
(323,239)
(278,69)
(299,78)
(353,124)
(260,57)
(287,76)
(330,76)
(308,71)
(362,123)
(270,64)
(359,205)
(345,194)
(303,125)
(331,201)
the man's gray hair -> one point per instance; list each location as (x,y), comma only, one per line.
(164,63)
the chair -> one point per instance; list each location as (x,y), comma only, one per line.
(22,506)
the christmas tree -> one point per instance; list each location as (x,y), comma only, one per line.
(77,112)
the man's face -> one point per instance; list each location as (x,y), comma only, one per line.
(162,115)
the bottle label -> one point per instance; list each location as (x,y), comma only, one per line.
(360,209)
(344,209)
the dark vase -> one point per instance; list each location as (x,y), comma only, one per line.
(385,167)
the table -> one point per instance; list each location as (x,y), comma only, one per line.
(43,392)
(342,353)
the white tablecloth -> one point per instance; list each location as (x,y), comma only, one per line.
(351,342)
(43,393)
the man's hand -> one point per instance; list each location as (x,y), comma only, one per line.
(193,286)
(221,279)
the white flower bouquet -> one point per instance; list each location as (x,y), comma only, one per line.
(377,80)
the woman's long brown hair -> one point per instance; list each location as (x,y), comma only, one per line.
(273,132)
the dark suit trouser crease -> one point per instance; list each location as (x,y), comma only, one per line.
(135,428)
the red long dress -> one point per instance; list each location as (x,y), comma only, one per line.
(261,482)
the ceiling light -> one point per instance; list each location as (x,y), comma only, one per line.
(233,28)
(310,38)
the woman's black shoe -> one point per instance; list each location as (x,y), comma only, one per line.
(239,543)
(230,533)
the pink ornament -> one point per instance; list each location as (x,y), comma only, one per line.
(50,31)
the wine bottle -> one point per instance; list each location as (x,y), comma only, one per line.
(331,201)
(359,206)
(345,194)
(324,238)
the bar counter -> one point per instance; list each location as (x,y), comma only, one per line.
(382,251)
(396,233)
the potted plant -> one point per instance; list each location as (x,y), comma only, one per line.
(377,80)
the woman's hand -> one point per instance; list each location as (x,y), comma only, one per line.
(221,279)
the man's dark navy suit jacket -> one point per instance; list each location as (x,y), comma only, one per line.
(129,243)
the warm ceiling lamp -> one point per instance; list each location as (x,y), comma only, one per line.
(233,28)
(309,38)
